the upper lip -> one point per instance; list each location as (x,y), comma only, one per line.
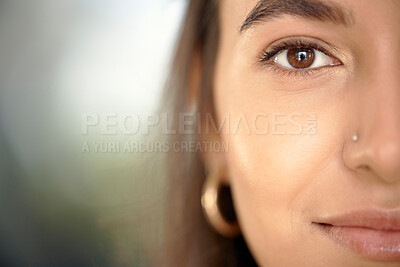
(373,219)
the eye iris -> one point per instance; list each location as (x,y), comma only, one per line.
(301,58)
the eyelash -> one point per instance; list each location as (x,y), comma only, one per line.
(270,53)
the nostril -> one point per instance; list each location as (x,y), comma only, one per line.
(325,224)
(322,224)
(365,167)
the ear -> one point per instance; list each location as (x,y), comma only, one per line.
(213,157)
(195,79)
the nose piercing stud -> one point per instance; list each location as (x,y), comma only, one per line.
(355,138)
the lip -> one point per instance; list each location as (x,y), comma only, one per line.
(372,234)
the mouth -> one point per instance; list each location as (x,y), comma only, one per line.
(372,234)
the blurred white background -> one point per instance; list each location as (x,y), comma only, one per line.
(62,58)
(118,55)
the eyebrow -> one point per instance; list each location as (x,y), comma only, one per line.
(308,9)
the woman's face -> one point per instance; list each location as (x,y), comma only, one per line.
(313,88)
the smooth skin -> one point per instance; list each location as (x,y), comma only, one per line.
(281,183)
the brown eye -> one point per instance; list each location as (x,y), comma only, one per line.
(300,58)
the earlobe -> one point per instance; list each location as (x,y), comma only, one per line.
(217,204)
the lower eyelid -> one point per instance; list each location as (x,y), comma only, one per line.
(297,73)
(292,72)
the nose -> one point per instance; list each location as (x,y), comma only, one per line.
(376,150)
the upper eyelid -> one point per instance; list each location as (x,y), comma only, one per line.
(277,50)
(321,45)
(302,38)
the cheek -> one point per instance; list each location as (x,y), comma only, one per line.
(274,176)
(270,188)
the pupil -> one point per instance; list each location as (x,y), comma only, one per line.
(302,55)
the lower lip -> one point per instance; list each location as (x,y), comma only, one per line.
(370,243)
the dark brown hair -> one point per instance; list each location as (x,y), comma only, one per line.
(189,240)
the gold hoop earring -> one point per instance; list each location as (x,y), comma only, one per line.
(211,208)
